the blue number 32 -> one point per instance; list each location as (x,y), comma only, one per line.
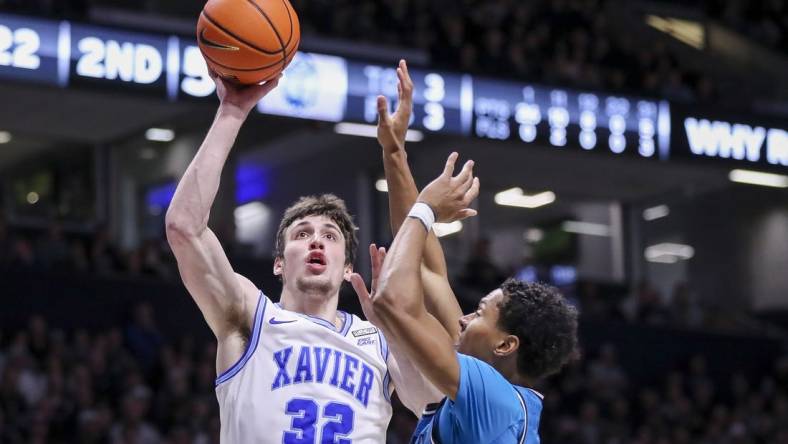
(304,413)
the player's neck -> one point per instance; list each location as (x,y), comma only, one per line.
(508,368)
(522,381)
(318,305)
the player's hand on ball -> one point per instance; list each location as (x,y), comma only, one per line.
(376,255)
(393,128)
(450,196)
(241,97)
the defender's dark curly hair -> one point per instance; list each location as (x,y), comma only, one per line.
(327,205)
(545,324)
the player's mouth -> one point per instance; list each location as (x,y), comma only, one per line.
(316,262)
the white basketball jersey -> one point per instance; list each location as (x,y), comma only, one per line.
(300,381)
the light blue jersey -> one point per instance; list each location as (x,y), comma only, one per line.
(488,409)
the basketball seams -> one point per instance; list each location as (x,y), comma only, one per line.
(241,40)
(287,6)
(259,68)
(276,32)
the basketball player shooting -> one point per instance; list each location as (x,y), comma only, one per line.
(296,371)
(520,332)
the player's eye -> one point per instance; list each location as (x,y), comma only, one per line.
(331,236)
(302,235)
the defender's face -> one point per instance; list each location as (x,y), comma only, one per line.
(479,332)
(314,255)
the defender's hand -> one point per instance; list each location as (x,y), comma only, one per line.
(450,196)
(392,129)
(377,255)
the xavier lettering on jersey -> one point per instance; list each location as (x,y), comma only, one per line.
(323,365)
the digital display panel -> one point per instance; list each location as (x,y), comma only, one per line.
(565,118)
(335,89)
(29,49)
(437,105)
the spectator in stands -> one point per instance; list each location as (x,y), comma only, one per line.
(606,374)
(685,307)
(104,255)
(142,336)
(6,244)
(133,427)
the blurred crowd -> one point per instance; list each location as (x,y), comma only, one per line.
(644,304)
(132,385)
(561,42)
(125,385)
(594,403)
(763,20)
(94,252)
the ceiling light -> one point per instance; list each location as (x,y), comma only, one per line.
(759,178)
(364,130)
(442,229)
(382,186)
(248,211)
(668,253)
(587,228)
(514,197)
(687,31)
(32,198)
(5,137)
(655,213)
(160,135)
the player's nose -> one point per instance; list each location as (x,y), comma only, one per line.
(316,244)
(463,322)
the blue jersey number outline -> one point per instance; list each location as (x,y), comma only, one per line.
(302,427)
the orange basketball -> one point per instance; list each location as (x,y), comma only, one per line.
(248,41)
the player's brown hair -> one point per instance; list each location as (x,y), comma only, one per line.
(327,205)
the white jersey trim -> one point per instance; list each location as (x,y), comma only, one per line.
(347,320)
(525,411)
(384,353)
(251,346)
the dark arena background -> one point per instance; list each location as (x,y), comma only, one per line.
(632,153)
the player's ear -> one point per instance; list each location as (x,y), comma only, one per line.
(507,345)
(278,264)
(348,272)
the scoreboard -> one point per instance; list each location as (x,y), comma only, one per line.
(332,88)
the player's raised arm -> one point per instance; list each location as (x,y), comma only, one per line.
(392,129)
(220,294)
(398,302)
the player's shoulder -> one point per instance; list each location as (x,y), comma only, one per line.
(476,367)
(481,381)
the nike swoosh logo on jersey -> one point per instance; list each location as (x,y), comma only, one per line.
(204,40)
(273,321)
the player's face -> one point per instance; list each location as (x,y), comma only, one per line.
(314,256)
(479,332)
